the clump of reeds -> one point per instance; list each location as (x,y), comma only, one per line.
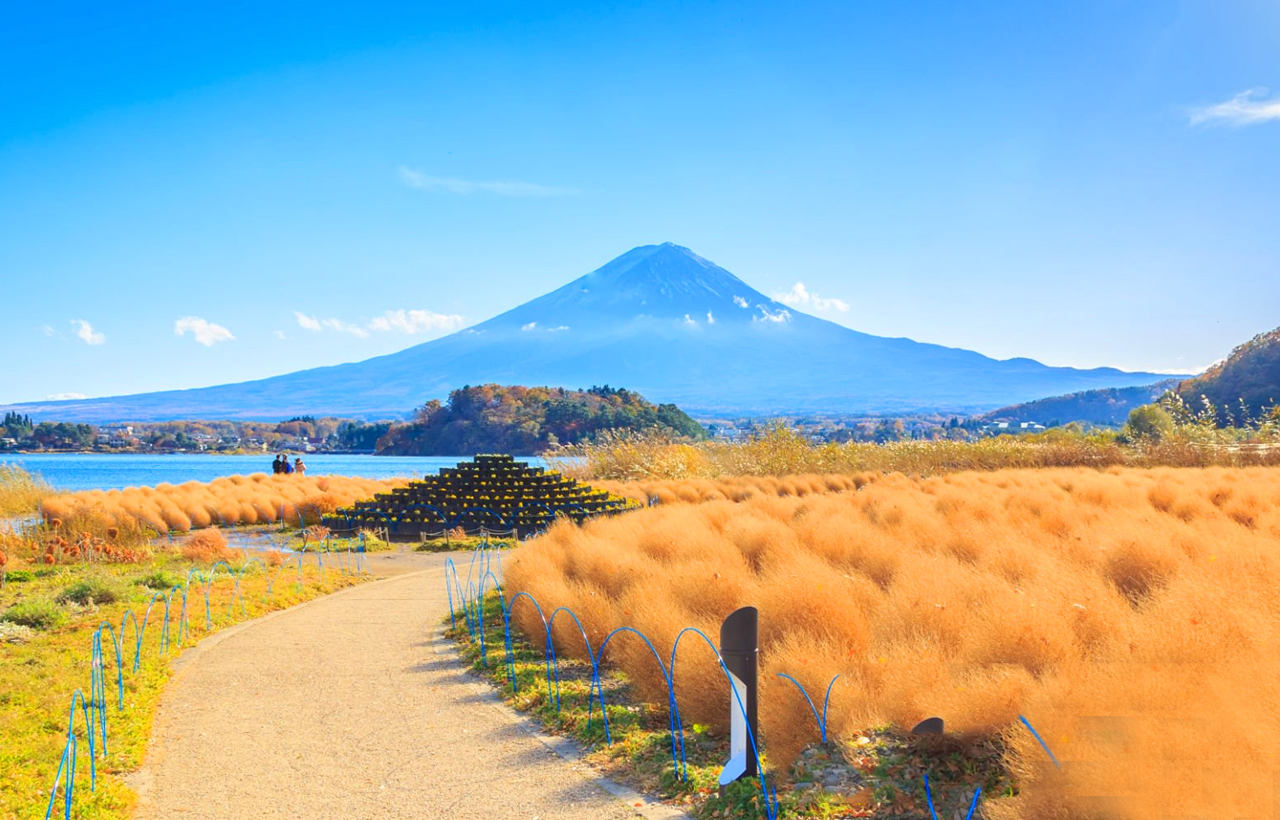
(1143,595)
(782,451)
(20,491)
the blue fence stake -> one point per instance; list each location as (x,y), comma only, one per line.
(1043,745)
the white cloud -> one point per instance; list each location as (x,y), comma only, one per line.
(800,297)
(416,321)
(742,303)
(412,322)
(280,335)
(307,322)
(47,330)
(87,334)
(1246,108)
(557,329)
(711,320)
(345,327)
(466,187)
(530,326)
(203,331)
(781,316)
(65,396)
(689,322)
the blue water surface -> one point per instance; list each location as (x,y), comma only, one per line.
(95,471)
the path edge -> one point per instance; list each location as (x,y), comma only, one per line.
(565,748)
(139,781)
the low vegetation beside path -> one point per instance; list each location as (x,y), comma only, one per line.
(49,613)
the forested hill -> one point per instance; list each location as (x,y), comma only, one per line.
(492,418)
(1251,374)
(1108,407)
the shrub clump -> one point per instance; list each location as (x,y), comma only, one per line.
(89,591)
(39,613)
(159,580)
(208,546)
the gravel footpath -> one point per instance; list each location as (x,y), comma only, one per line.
(343,708)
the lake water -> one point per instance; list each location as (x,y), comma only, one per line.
(92,471)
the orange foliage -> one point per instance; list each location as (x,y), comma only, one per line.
(733,488)
(254,499)
(1143,595)
(208,546)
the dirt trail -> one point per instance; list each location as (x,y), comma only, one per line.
(342,708)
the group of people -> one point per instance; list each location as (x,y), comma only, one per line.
(282,465)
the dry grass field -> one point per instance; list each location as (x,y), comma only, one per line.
(241,499)
(1130,614)
(733,488)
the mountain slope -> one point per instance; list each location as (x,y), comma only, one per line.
(1107,406)
(1250,375)
(659,320)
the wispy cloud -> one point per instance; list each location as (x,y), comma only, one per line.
(781,317)
(1246,108)
(65,396)
(534,326)
(87,334)
(411,322)
(280,335)
(741,302)
(307,322)
(203,331)
(345,327)
(415,322)
(711,320)
(690,321)
(47,330)
(799,297)
(314,323)
(467,187)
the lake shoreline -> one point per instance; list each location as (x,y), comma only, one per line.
(73,472)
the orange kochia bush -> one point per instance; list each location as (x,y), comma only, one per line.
(1132,615)
(241,499)
(733,488)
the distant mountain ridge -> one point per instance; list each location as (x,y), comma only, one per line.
(659,320)
(1106,406)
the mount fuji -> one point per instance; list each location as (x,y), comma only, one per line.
(659,320)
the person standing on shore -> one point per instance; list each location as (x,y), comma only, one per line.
(299,467)
(285,466)
(277,466)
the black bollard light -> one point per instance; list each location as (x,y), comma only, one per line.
(740,648)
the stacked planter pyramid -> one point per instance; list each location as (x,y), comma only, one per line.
(492,492)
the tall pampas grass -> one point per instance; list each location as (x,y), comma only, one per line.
(20,491)
(1130,614)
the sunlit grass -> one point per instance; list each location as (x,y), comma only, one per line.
(40,669)
(229,501)
(20,491)
(1143,595)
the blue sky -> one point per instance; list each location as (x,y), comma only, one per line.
(191,197)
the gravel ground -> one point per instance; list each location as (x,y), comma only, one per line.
(341,709)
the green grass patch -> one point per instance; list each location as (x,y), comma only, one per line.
(467,543)
(41,670)
(90,591)
(36,613)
